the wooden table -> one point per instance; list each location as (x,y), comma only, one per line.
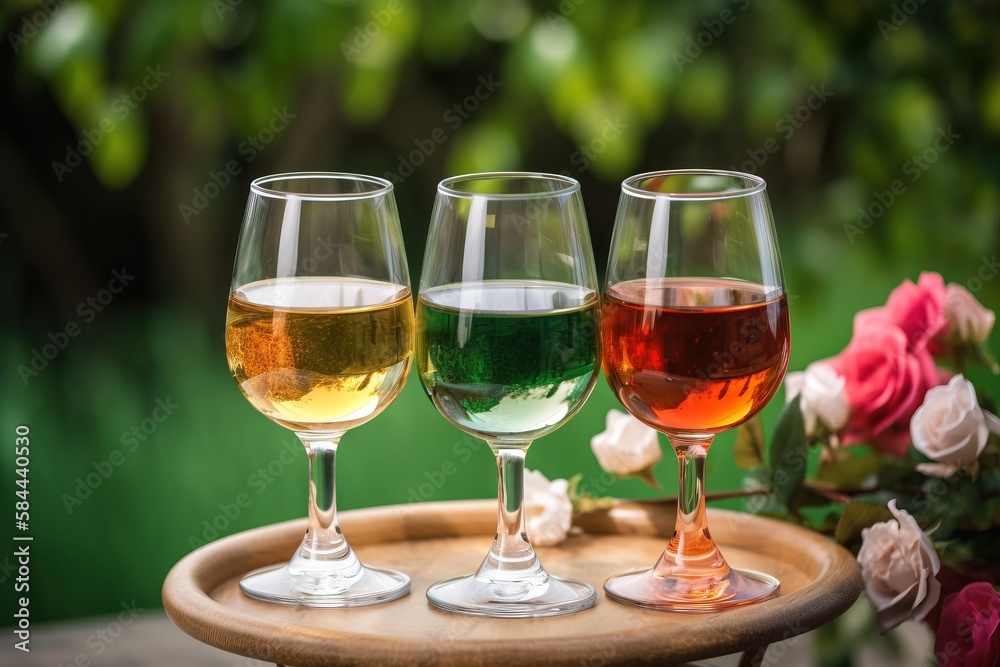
(429,541)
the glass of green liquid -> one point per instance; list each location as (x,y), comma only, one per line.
(508,348)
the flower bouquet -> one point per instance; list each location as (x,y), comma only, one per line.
(908,467)
(880,447)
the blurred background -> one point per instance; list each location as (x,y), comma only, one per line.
(134,129)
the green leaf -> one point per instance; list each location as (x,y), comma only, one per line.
(749,448)
(850,472)
(894,471)
(982,355)
(789,453)
(584,502)
(982,518)
(827,524)
(956,554)
(809,498)
(646,475)
(856,517)
(759,477)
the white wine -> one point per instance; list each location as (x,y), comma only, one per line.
(320,354)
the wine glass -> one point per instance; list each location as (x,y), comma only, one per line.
(696,341)
(319,336)
(508,349)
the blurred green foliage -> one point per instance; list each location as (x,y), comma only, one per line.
(594,89)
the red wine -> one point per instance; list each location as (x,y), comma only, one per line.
(697,355)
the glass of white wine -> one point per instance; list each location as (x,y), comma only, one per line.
(319,337)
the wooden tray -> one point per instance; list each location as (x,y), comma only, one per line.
(430,541)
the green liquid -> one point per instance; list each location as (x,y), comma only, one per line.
(508,360)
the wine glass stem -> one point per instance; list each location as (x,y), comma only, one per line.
(511,549)
(692,543)
(323,540)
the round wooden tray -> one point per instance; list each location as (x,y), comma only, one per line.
(431,541)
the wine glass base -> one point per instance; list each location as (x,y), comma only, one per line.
(645,589)
(511,599)
(278,585)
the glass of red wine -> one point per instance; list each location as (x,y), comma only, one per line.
(696,341)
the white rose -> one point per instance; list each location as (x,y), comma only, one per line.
(968,319)
(548,510)
(626,446)
(949,428)
(824,398)
(898,565)
(992,422)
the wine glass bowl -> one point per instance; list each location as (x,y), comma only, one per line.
(319,338)
(524,384)
(696,341)
(296,357)
(724,359)
(508,349)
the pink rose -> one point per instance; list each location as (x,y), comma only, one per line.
(951,583)
(918,310)
(885,384)
(967,635)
